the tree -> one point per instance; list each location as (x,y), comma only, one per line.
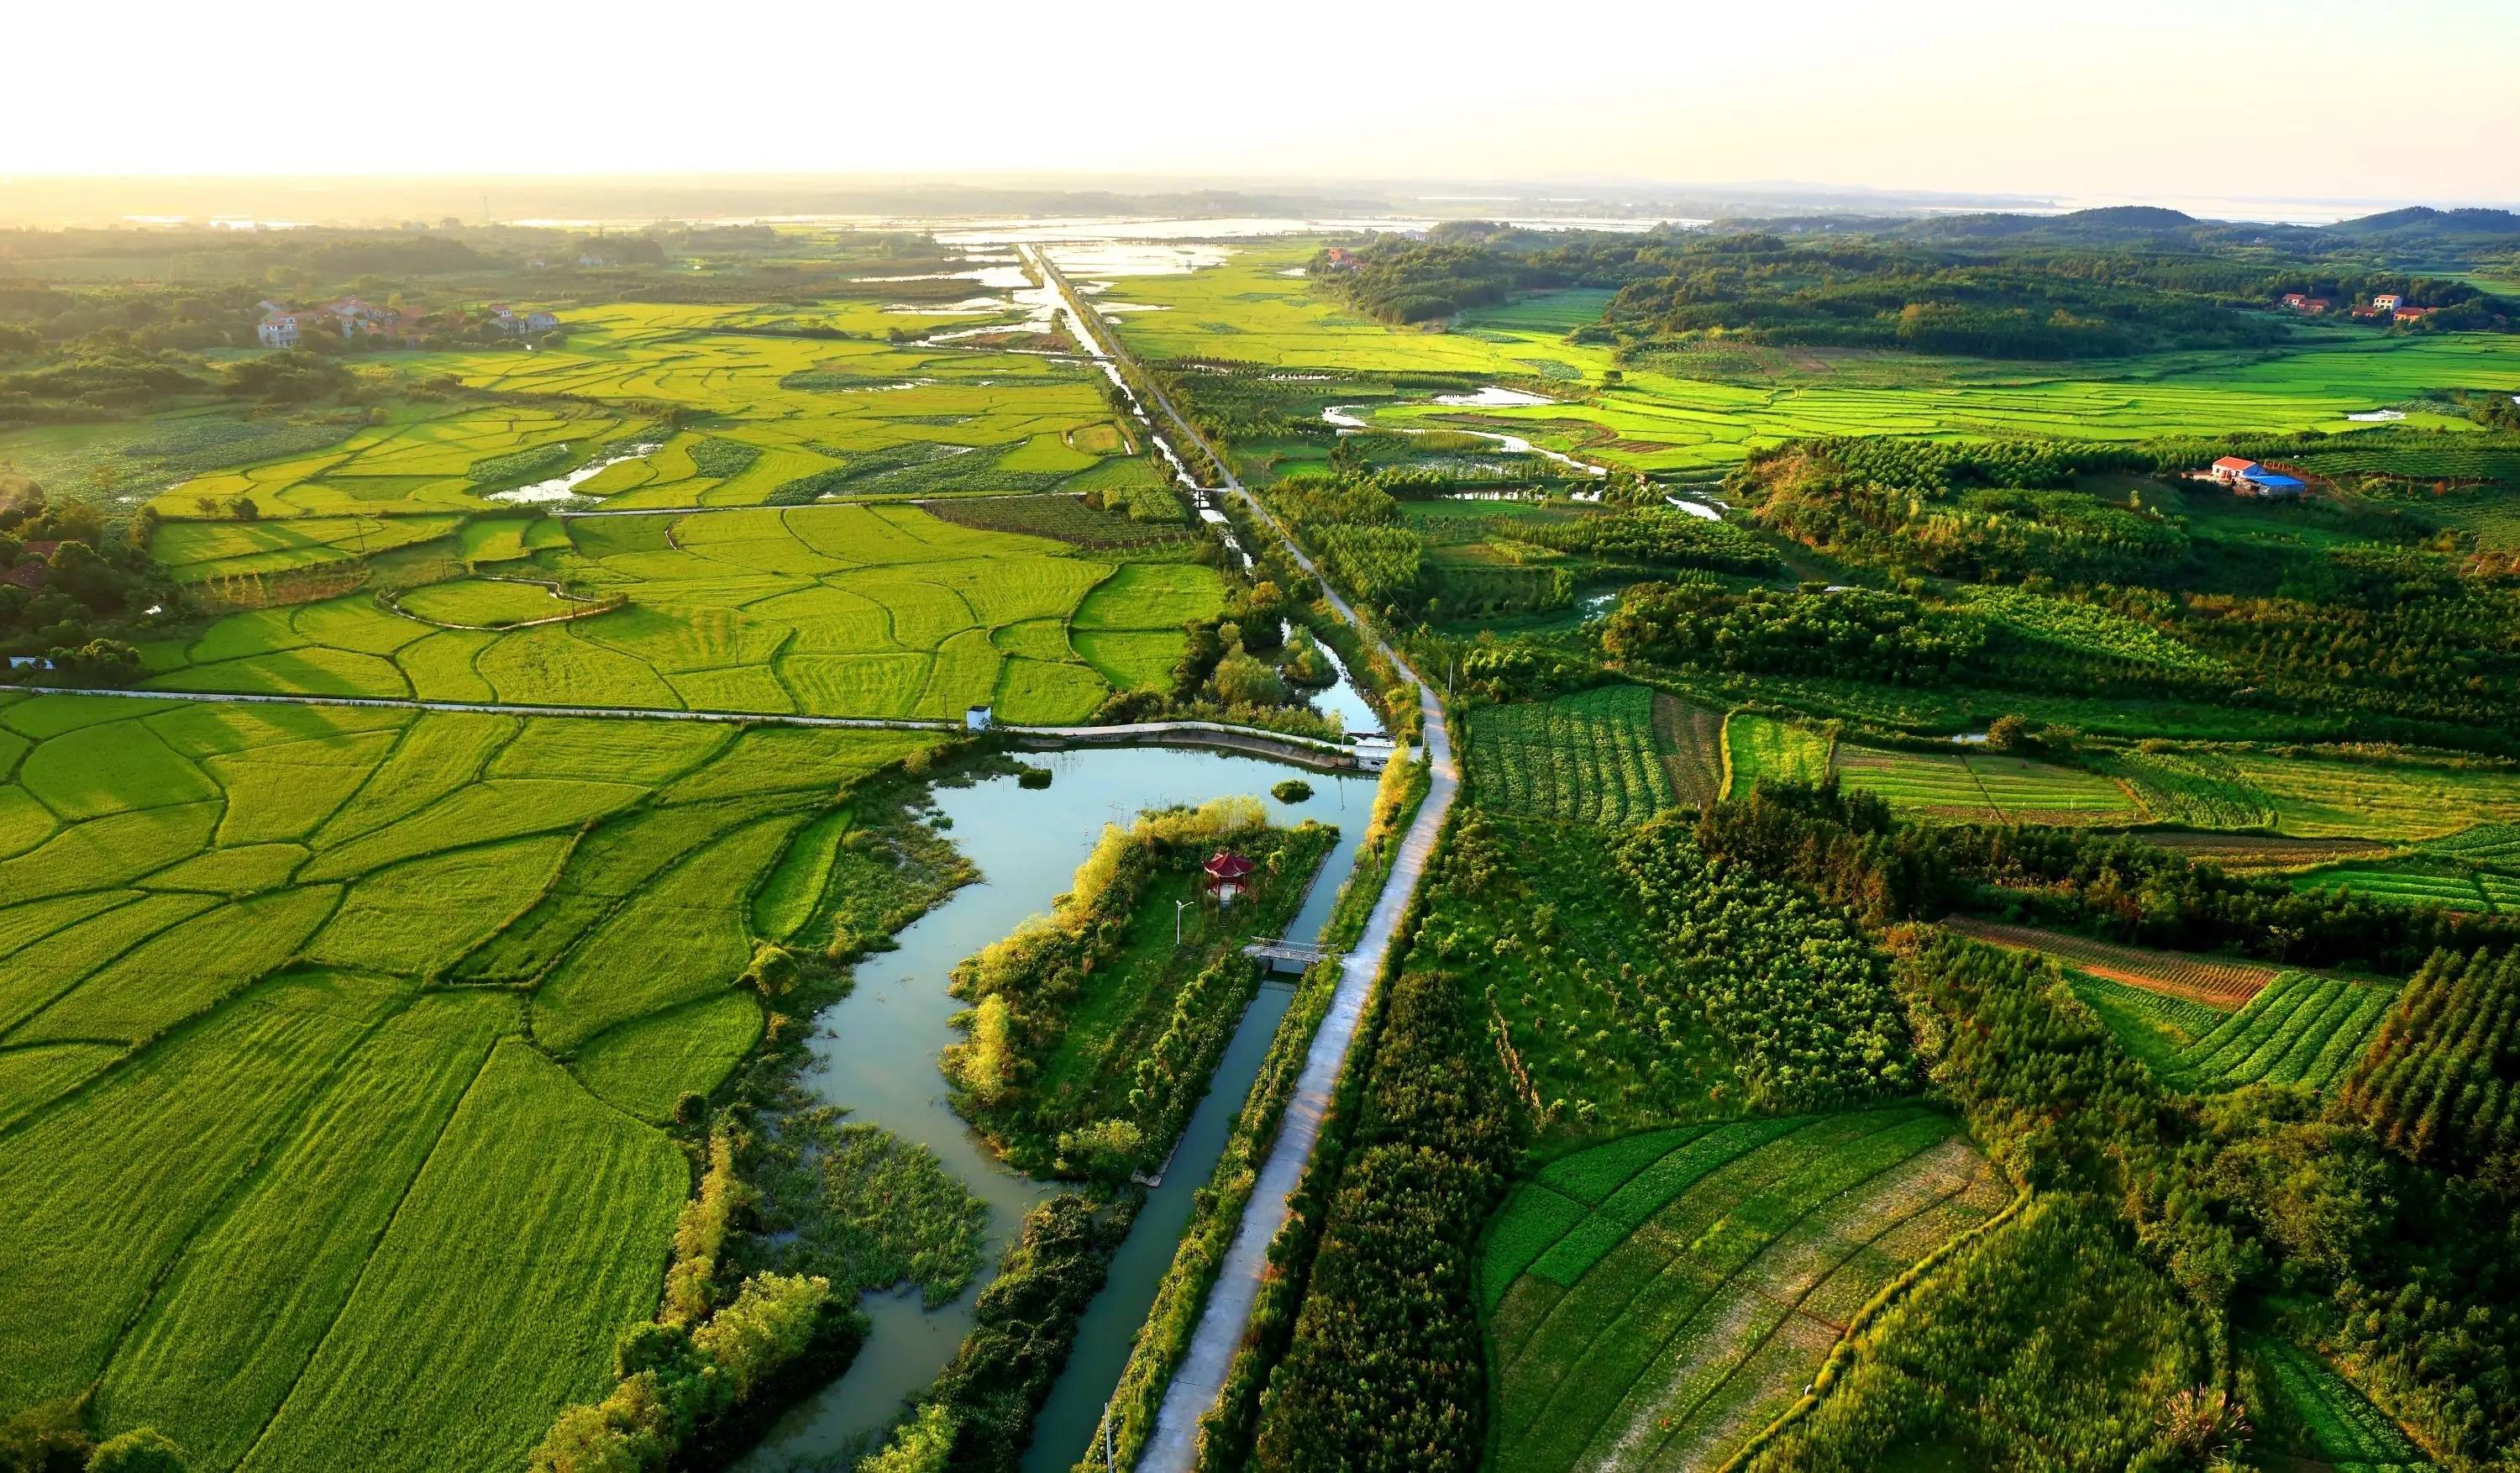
(141,1449)
(988,1061)
(1242,681)
(922,1446)
(771,1323)
(2010,732)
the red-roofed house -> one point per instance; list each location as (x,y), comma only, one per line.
(2232,468)
(30,576)
(2412,314)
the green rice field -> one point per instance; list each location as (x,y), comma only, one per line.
(1680,418)
(299,1005)
(1653,1302)
(874,611)
(792,418)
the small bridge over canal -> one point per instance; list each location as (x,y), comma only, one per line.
(1286,955)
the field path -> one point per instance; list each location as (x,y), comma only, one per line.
(1314,750)
(1173,1445)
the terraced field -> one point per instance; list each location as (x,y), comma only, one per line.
(2213,980)
(1655,1301)
(1596,758)
(881,611)
(1981,787)
(299,1005)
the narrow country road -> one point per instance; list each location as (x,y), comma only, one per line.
(1173,1445)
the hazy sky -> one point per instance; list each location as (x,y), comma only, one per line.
(2165,98)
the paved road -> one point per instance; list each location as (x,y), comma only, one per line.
(1173,1445)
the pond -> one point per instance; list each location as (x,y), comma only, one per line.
(875,1052)
(561,489)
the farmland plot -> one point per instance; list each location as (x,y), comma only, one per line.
(1757,747)
(1975,787)
(2321,797)
(1666,413)
(792,419)
(250,1126)
(1655,1301)
(2301,1030)
(2323,1420)
(1592,758)
(881,611)
(2217,981)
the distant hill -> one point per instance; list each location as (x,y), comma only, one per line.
(2423,222)
(2418,227)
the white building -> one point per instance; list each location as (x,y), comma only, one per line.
(279,327)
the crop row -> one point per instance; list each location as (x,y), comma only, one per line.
(2212,980)
(1590,757)
(1666,1321)
(2300,1030)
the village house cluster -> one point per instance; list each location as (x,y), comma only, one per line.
(2385,304)
(283,325)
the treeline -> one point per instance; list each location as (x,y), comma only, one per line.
(1986,298)
(2369,614)
(1849,849)
(1387,1369)
(1767,289)
(1697,624)
(70,589)
(1646,537)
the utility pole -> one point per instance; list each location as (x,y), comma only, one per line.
(1178,907)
